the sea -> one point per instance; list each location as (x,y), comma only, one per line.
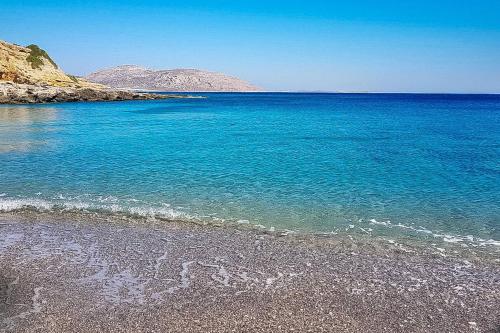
(394,166)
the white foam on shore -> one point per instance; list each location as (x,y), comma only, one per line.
(102,204)
(9,205)
(185,278)
(158,263)
(385,223)
(447,238)
(134,207)
(221,276)
(36,307)
(125,287)
(490,242)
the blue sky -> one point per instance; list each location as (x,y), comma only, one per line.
(387,46)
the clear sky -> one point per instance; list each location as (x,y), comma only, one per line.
(387,46)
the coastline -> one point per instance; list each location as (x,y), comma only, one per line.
(15,93)
(93,272)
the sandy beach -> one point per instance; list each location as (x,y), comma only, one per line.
(95,274)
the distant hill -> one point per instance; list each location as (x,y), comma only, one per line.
(194,80)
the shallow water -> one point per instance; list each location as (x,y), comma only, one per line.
(402,165)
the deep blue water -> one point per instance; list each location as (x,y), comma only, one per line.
(409,164)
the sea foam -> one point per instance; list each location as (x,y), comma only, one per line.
(100,205)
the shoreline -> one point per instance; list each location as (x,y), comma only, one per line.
(96,273)
(26,94)
(406,238)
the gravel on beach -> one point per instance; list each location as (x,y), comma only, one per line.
(62,274)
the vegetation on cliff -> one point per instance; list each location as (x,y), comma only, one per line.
(36,55)
(32,65)
(73,78)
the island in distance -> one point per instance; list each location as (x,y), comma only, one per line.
(172,80)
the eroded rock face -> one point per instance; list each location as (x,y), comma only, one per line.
(16,67)
(15,93)
(135,77)
(28,75)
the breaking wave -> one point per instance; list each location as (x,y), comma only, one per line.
(109,205)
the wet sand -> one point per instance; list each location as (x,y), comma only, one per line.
(62,274)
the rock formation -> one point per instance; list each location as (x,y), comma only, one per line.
(29,75)
(18,93)
(193,80)
(32,65)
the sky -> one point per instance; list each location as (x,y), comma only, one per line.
(346,46)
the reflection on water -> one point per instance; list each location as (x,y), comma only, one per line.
(26,115)
(24,128)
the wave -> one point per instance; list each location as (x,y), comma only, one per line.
(109,205)
(445,237)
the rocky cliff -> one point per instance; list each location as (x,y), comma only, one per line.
(29,75)
(32,65)
(135,77)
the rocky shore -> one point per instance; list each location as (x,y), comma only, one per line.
(15,93)
(97,274)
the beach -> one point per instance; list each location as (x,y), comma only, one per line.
(95,273)
(263,212)
(231,166)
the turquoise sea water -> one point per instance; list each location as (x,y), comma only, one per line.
(409,165)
